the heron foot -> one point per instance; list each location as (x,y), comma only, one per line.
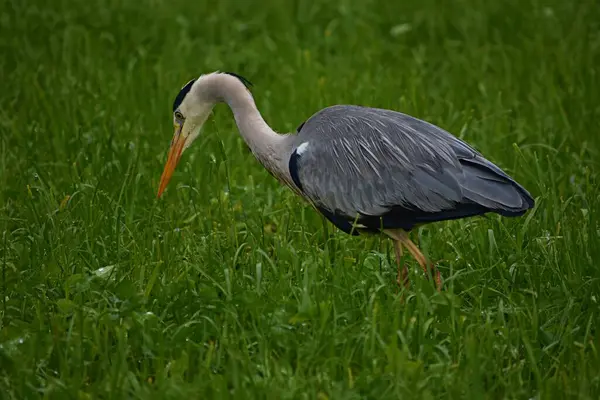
(402,276)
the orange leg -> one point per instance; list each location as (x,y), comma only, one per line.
(402,277)
(402,238)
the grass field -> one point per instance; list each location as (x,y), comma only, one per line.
(230,286)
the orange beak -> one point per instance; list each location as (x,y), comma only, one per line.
(173,159)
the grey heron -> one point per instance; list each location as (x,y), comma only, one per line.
(367,170)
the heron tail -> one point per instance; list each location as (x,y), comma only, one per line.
(487,185)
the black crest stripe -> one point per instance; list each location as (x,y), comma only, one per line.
(182,93)
(245,81)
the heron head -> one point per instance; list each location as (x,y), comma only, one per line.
(192,106)
(190,111)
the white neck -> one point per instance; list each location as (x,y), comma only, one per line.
(269,147)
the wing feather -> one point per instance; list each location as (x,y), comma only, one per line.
(367,162)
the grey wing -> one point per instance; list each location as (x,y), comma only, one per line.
(385,168)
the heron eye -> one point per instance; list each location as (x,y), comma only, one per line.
(179,116)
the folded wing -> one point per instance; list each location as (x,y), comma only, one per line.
(382,168)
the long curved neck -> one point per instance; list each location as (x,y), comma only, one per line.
(267,146)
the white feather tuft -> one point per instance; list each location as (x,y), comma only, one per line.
(302,148)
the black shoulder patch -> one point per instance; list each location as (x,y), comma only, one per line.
(182,93)
(337,220)
(300,127)
(245,81)
(293,167)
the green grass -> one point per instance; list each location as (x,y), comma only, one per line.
(230,286)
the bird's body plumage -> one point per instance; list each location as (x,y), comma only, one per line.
(384,169)
(365,169)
